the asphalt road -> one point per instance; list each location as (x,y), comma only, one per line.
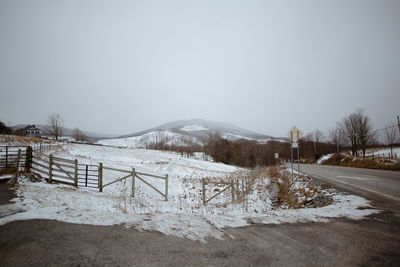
(380,186)
(373,241)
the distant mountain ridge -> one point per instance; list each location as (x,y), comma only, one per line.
(199,127)
(196,130)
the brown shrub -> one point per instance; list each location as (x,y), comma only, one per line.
(362,162)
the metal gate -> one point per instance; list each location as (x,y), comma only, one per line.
(88,175)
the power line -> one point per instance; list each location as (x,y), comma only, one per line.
(390,127)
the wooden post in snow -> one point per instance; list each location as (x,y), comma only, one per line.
(6,157)
(204,191)
(233,191)
(28,159)
(166,187)
(76,173)
(133,182)
(50,168)
(101,177)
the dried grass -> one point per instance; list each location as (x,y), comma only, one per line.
(360,162)
(22,140)
(291,197)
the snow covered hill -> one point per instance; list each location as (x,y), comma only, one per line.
(179,132)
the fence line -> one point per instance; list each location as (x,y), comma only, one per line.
(133,174)
(14,180)
(12,158)
(385,155)
(239,187)
(69,172)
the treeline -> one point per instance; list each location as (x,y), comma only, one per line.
(247,153)
(356,133)
(4,129)
(183,145)
(310,150)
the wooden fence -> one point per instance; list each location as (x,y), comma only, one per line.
(44,146)
(9,156)
(136,175)
(70,172)
(238,187)
(384,155)
(58,170)
(10,159)
(67,171)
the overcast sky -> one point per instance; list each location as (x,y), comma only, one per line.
(123,66)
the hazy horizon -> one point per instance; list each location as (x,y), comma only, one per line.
(121,67)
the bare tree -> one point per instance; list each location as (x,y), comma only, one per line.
(366,133)
(317,136)
(391,137)
(358,131)
(79,135)
(55,124)
(336,137)
(349,126)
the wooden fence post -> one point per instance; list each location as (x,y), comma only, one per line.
(6,157)
(133,182)
(28,159)
(76,173)
(101,177)
(166,187)
(204,191)
(233,191)
(50,168)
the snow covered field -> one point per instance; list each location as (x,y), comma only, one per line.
(142,141)
(183,215)
(383,152)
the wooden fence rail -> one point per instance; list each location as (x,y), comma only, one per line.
(134,175)
(14,180)
(70,172)
(9,156)
(239,187)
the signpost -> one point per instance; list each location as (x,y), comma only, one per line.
(295,134)
(276,155)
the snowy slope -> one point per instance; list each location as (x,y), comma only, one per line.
(170,138)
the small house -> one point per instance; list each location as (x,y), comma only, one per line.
(32,131)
